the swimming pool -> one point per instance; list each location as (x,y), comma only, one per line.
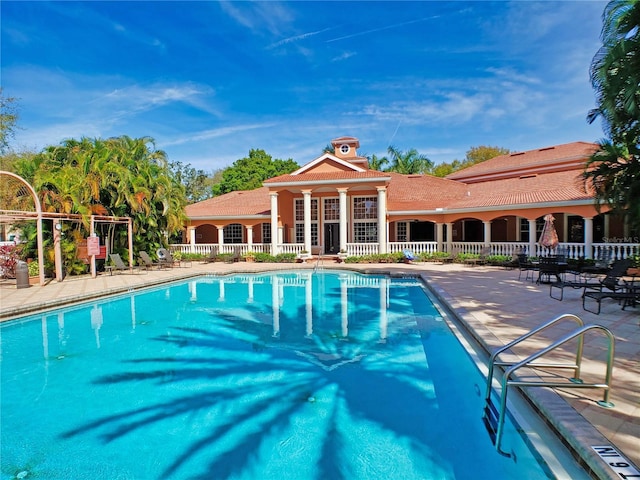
(327,375)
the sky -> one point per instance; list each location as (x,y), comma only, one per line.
(209,81)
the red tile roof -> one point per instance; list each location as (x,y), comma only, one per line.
(245,203)
(568,154)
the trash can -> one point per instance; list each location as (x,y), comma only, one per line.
(22,275)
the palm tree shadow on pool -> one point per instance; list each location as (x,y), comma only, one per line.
(272,380)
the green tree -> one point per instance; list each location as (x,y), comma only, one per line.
(197,184)
(376,163)
(409,162)
(614,170)
(8,120)
(122,176)
(474,155)
(248,173)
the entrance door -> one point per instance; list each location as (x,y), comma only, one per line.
(331,238)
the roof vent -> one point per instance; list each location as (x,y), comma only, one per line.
(546,148)
(531,175)
(517,153)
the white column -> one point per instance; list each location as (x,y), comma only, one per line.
(588,237)
(306,194)
(342,192)
(220,238)
(439,237)
(487,233)
(192,236)
(382,219)
(249,238)
(532,238)
(274,223)
(449,237)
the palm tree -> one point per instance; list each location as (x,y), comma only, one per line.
(376,163)
(614,170)
(408,163)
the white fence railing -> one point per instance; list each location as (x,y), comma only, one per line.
(571,250)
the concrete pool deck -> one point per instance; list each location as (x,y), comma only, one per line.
(491,301)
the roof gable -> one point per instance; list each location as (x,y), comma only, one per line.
(327,163)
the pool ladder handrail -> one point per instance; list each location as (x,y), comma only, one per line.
(494,419)
(320,259)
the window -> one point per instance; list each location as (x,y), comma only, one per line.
(524,229)
(300,233)
(299,208)
(401,232)
(299,219)
(365,232)
(233,233)
(365,208)
(344,149)
(266,233)
(331,209)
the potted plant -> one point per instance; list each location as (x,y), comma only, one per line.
(250,257)
(342,255)
(34,273)
(304,254)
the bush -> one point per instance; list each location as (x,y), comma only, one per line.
(285,258)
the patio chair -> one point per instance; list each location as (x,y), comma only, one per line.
(524,265)
(166,259)
(610,287)
(118,265)
(212,257)
(148,263)
(610,282)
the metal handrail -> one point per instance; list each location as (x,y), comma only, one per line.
(506,383)
(576,366)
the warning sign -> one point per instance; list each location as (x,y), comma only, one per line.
(93,246)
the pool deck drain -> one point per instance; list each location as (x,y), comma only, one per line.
(491,301)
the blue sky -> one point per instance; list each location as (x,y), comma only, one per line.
(211,80)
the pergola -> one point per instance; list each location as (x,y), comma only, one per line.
(19,202)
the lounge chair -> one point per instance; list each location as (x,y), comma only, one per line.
(409,256)
(118,265)
(213,256)
(237,253)
(166,259)
(480,259)
(148,263)
(610,287)
(610,282)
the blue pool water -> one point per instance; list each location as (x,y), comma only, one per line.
(275,376)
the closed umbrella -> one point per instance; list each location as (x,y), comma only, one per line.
(549,236)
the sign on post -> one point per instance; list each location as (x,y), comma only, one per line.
(93,246)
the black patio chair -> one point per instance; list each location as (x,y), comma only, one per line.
(610,282)
(524,265)
(610,287)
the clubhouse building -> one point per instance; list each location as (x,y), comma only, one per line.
(335,203)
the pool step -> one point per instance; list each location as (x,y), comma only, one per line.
(490,420)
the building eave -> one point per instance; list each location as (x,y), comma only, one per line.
(329,182)
(522,206)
